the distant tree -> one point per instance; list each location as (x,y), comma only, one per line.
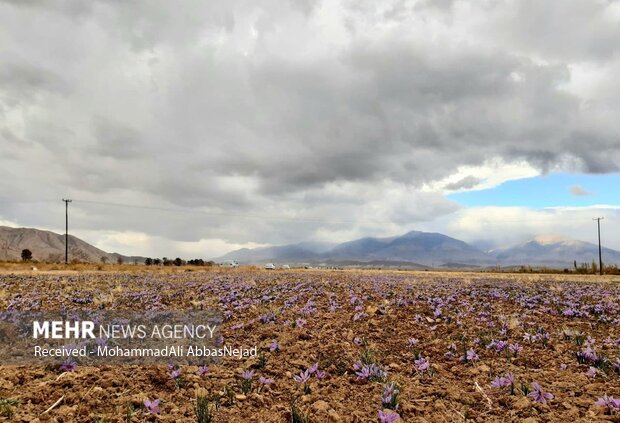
(26,254)
(594,267)
(156,262)
(148,261)
(166,261)
(104,259)
(119,260)
(178,261)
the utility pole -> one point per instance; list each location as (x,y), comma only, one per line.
(67,201)
(600,258)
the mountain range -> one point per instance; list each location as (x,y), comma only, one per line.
(414,249)
(426,249)
(50,246)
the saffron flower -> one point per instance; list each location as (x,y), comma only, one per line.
(320,374)
(152,406)
(265,381)
(247,374)
(358,316)
(422,364)
(202,371)
(389,397)
(312,369)
(370,372)
(388,416)
(302,377)
(539,395)
(68,365)
(175,374)
(274,346)
(515,348)
(612,404)
(502,382)
(471,356)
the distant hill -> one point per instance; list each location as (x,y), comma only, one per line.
(420,247)
(554,251)
(50,246)
(302,251)
(425,249)
(415,249)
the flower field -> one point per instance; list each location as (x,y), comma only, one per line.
(339,346)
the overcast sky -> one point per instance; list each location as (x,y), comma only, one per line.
(242,123)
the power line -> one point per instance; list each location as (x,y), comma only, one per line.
(295,219)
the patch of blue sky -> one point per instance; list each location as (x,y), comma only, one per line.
(552,190)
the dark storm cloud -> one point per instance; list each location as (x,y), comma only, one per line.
(295,109)
(465,183)
(20,82)
(117,140)
(567,30)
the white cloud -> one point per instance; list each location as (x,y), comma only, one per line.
(490,174)
(129,243)
(505,226)
(578,191)
(274,122)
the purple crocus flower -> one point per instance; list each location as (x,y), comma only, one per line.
(539,395)
(612,404)
(388,416)
(371,372)
(274,346)
(591,372)
(498,382)
(389,398)
(500,345)
(265,381)
(303,377)
(422,364)
(152,406)
(202,371)
(68,365)
(358,316)
(247,374)
(502,382)
(515,348)
(320,374)
(472,356)
(312,369)
(175,374)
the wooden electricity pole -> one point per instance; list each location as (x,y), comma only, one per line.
(67,201)
(600,257)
